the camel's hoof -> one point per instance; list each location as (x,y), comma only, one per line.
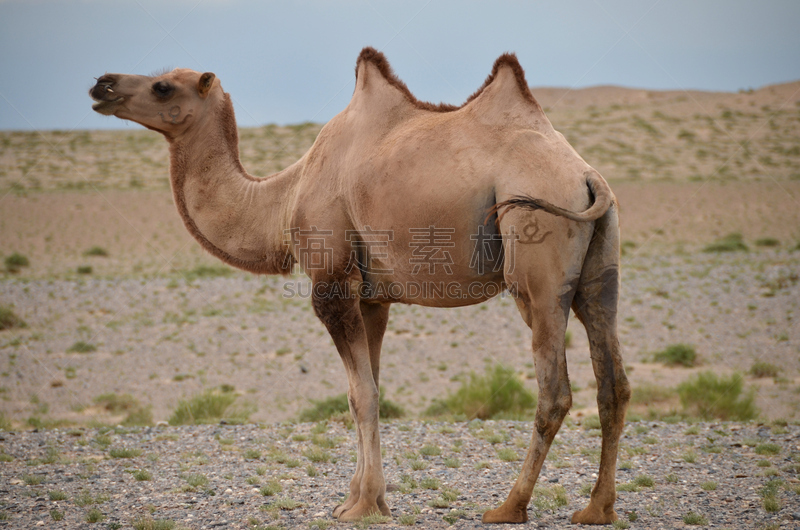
(591,515)
(338,511)
(504,514)
(361,510)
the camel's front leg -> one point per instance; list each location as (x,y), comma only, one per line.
(342,317)
(375,317)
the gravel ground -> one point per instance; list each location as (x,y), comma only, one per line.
(216,476)
(162,339)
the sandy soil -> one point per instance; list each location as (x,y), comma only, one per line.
(163,334)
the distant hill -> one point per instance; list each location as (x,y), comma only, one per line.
(638,134)
(626,133)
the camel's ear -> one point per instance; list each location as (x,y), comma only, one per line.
(204,85)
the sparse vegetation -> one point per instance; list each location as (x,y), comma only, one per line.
(9,319)
(124,452)
(430,450)
(317,455)
(142,475)
(730,243)
(677,355)
(549,498)
(708,396)
(764,369)
(770,449)
(695,519)
(769,495)
(57,495)
(135,413)
(148,523)
(94,515)
(324,409)
(271,488)
(208,271)
(709,485)
(82,347)
(85,498)
(210,407)
(15,262)
(96,251)
(767,242)
(497,394)
(33,480)
(507,454)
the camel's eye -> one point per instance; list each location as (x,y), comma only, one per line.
(163,89)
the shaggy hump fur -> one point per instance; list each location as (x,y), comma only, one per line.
(379,60)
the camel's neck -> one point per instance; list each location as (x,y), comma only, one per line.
(236,217)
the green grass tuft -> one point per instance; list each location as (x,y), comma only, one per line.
(137,415)
(430,450)
(82,347)
(271,488)
(94,516)
(96,251)
(124,452)
(764,369)
(142,475)
(9,319)
(148,523)
(677,355)
(695,519)
(730,243)
(209,407)
(324,409)
(710,397)
(499,393)
(767,242)
(57,495)
(507,454)
(768,449)
(207,271)
(15,262)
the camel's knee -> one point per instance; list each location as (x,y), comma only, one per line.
(363,402)
(553,408)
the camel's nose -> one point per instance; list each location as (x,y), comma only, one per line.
(103,87)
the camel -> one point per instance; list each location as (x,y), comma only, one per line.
(403,201)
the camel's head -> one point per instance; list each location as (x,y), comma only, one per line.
(168,103)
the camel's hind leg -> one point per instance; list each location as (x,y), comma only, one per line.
(375,317)
(595,304)
(548,321)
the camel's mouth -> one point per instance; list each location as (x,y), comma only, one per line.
(106,98)
(106,106)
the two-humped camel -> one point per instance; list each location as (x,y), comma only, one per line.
(401,201)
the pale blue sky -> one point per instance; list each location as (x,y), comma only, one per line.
(288,62)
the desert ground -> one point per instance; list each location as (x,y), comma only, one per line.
(118,299)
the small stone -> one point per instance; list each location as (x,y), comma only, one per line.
(320,514)
(228,491)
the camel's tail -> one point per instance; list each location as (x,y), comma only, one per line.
(603,197)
